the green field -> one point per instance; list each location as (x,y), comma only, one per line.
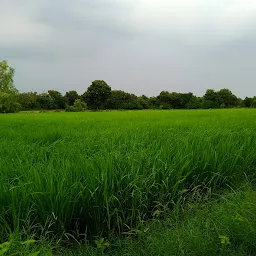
(73,176)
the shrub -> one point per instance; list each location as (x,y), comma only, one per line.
(79,106)
(8,103)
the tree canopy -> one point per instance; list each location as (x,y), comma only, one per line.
(8,92)
(6,78)
(97,94)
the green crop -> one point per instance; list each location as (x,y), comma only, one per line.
(94,174)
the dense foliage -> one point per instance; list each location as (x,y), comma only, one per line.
(99,96)
(105,172)
(79,106)
(8,92)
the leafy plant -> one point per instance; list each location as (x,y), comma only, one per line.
(101,244)
(79,106)
(224,240)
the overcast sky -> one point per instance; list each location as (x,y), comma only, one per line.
(140,46)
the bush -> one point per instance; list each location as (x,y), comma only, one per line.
(207,104)
(79,106)
(165,105)
(8,103)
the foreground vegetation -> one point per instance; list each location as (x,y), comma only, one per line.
(79,177)
(220,227)
(223,226)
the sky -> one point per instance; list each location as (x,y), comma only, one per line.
(139,46)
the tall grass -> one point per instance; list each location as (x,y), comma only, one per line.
(220,227)
(98,173)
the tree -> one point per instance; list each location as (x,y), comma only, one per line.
(207,104)
(123,100)
(57,101)
(254,102)
(116,100)
(186,100)
(97,94)
(225,98)
(8,103)
(71,97)
(210,99)
(195,103)
(8,92)
(210,95)
(44,101)
(6,78)
(143,101)
(240,103)
(222,98)
(248,102)
(132,102)
(28,100)
(175,100)
(164,100)
(154,103)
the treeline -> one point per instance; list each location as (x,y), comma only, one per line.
(100,96)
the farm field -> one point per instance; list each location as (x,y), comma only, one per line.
(82,176)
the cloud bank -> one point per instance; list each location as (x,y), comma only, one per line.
(141,46)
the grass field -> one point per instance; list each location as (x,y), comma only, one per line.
(77,176)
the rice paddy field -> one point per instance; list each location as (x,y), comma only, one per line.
(76,177)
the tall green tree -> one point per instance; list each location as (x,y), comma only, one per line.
(57,101)
(44,101)
(175,100)
(8,92)
(28,100)
(116,100)
(248,102)
(210,99)
(71,97)
(122,100)
(164,100)
(143,102)
(9,103)
(7,78)
(225,98)
(211,95)
(97,94)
